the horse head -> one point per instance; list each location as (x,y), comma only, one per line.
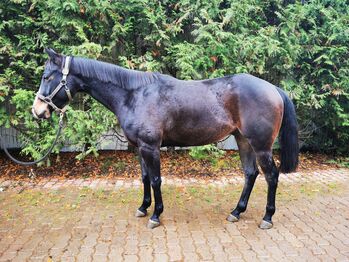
(57,86)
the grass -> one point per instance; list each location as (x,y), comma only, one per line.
(341,161)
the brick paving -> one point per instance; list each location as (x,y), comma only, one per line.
(93,220)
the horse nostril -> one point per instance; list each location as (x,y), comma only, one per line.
(41,115)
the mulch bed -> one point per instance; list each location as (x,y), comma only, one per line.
(124,164)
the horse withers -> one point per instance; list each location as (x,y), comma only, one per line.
(156,110)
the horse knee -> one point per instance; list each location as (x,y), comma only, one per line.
(145,179)
(156,182)
(250,176)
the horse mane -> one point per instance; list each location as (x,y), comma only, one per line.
(110,73)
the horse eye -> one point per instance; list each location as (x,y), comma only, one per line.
(48,78)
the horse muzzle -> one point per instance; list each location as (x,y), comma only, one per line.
(41,109)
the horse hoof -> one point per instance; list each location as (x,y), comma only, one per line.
(265,225)
(232,218)
(153,224)
(140,213)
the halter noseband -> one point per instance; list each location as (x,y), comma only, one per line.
(62,83)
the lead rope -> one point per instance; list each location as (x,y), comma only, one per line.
(61,116)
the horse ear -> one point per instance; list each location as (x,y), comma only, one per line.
(55,57)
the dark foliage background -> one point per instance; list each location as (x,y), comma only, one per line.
(302,48)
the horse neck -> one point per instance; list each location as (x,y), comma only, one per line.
(111,85)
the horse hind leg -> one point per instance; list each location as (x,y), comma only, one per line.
(271,172)
(262,142)
(250,150)
(248,160)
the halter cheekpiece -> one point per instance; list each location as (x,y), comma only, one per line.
(62,84)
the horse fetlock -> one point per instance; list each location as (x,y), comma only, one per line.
(241,207)
(159,208)
(270,210)
(146,202)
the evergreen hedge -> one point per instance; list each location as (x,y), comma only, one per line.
(304,49)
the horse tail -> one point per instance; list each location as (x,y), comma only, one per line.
(288,137)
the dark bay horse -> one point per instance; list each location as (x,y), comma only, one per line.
(156,110)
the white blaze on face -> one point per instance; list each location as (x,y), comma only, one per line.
(40,109)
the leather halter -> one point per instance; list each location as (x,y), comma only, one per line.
(62,84)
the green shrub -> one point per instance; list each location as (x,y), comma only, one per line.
(206,152)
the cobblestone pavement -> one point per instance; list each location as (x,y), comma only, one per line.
(93,219)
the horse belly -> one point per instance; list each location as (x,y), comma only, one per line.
(195,135)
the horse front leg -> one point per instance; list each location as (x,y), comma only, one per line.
(150,156)
(142,210)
